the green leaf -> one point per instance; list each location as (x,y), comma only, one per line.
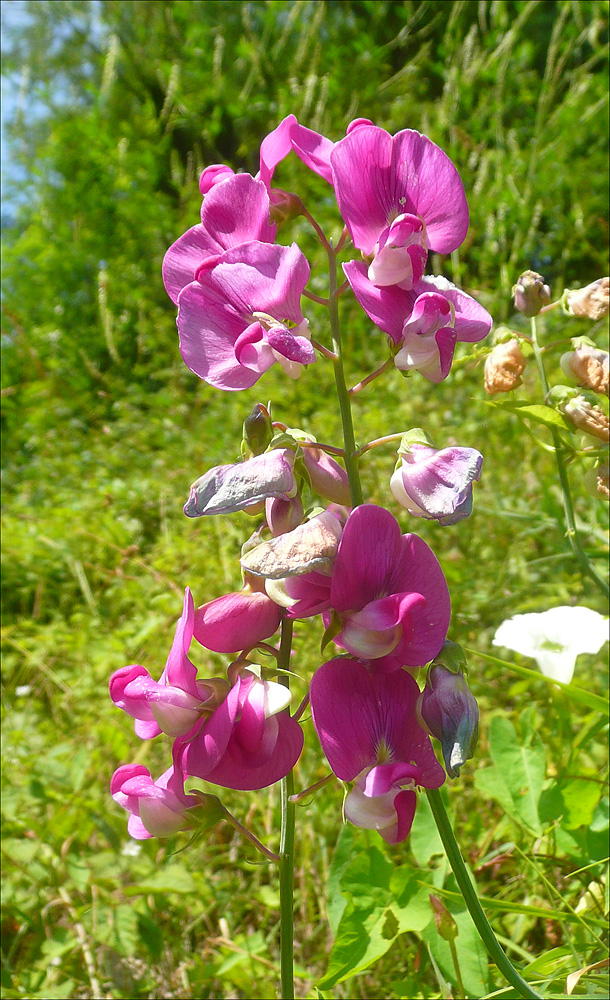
(174,878)
(580,798)
(537,412)
(366,880)
(523,769)
(363,936)
(335,901)
(411,903)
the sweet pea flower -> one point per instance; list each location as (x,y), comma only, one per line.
(399,196)
(554,638)
(226,489)
(435,484)
(237,621)
(157,808)
(175,702)
(369,732)
(250,741)
(425,323)
(387,593)
(235,211)
(243,313)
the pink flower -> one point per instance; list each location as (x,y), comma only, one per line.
(435,483)
(157,808)
(235,211)
(368,729)
(400,196)
(424,323)
(237,621)
(311,147)
(175,702)
(250,741)
(243,313)
(388,595)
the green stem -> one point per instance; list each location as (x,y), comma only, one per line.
(286,863)
(568,508)
(471,899)
(351,461)
(456,966)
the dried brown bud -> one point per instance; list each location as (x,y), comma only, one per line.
(588,417)
(504,367)
(593,301)
(530,293)
(588,366)
(597,482)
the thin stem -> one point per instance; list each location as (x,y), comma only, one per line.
(312,788)
(286,864)
(456,966)
(229,818)
(552,305)
(317,228)
(323,350)
(471,899)
(329,448)
(314,297)
(371,378)
(382,440)
(568,507)
(351,462)
(297,715)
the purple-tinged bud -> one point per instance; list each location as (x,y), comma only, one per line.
(445,924)
(530,293)
(504,367)
(283,515)
(435,484)
(597,482)
(257,431)
(328,479)
(449,712)
(284,206)
(592,301)
(588,367)
(228,488)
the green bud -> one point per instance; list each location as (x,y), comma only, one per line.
(257,431)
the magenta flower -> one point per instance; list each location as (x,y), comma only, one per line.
(388,594)
(311,147)
(425,323)
(226,489)
(235,211)
(250,741)
(243,313)
(436,484)
(237,621)
(157,808)
(214,174)
(369,732)
(175,702)
(400,196)
(328,479)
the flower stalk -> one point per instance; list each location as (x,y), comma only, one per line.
(286,860)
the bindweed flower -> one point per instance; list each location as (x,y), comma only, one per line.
(226,489)
(554,638)
(250,741)
(387,594)
(235,211)
(588,367)
(238,620)
(592,301)
(399,196)
(368,729)
(530,293)
(449,712)
(242,313)
(504,367)
(425,323)
(432,483)
(175,702)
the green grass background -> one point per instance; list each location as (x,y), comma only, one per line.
(120,106)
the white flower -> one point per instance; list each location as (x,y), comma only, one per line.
(554,638)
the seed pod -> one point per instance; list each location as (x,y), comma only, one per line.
(503,368)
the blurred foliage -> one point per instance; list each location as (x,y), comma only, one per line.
(120,105)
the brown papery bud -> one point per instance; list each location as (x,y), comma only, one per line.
(530,293)
(588,417)
(592,301)
(503,368)
(589,367)
(597,482)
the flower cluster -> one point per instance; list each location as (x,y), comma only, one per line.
(381,594)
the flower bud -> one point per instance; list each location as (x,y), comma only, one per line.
(530,293)
(445,924)
(588,366)
(588,417)
(328,479)
(503,368)
(258,431)
(284,206)
(597,482)
(592,301)
(448,711)
(283,515)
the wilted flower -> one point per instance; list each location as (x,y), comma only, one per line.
(554,638)
(367,726)
(588,417)
(226,489)
(435,483)
(592,301)
(504,367)
(450,713)
(530,293)
(597,481)
(588,366)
